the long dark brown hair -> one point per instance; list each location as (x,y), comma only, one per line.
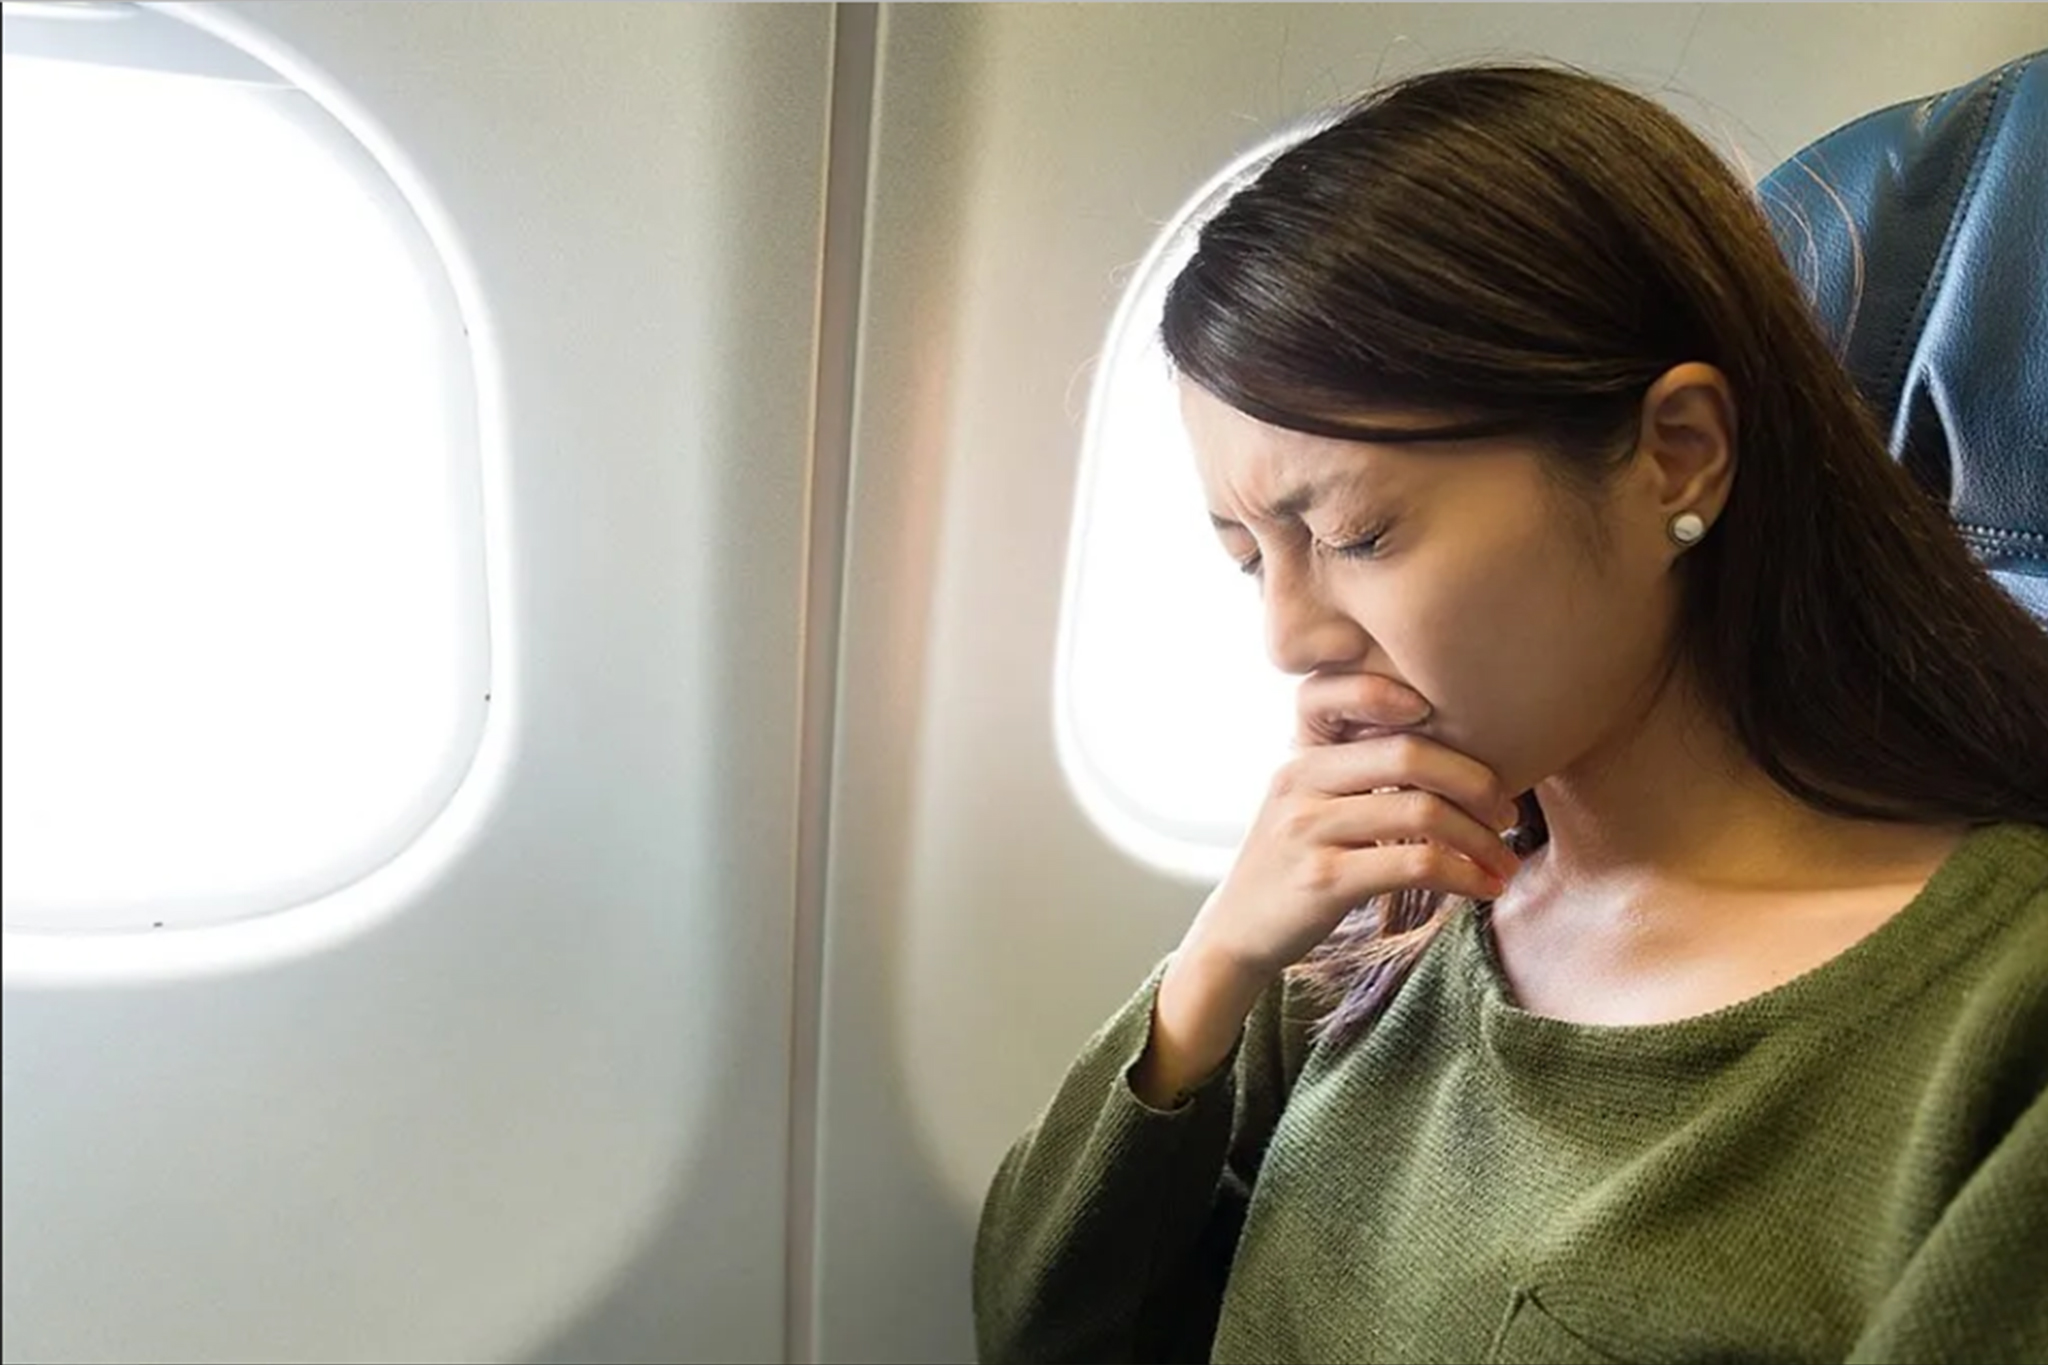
(1524,250)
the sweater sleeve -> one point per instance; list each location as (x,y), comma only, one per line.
(1976,1290)
(1109,1230)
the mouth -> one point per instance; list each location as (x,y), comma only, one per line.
(1353,734)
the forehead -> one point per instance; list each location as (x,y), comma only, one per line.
(1250,466)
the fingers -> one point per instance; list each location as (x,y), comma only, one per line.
(1335,708)
(1404,760)
(1353,876)
(1376,809)
(1396,817)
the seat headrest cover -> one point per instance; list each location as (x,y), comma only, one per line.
(1923,231)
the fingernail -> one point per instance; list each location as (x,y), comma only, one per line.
(1414,711)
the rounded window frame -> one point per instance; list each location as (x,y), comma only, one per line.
(1198,851)
(370,877)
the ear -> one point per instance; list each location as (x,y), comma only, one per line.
(1687,441)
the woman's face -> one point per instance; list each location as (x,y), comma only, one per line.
(1535,621)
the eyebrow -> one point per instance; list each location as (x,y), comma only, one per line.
(1292,504)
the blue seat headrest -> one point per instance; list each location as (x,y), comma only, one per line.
(1923,229)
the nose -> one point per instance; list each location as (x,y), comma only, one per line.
(1305,631)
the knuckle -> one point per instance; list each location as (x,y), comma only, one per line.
(1418,812)
(1322,871)
(1420,862)
(1408,751)
(1287,780)
(1298,822)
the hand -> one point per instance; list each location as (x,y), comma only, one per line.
(1367,806)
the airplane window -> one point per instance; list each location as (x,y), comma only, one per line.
(245,637)
(1170,720)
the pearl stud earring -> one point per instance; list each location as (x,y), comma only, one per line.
(1687,527)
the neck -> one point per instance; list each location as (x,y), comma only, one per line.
(1673,798)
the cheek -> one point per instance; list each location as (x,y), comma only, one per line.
(1524,647)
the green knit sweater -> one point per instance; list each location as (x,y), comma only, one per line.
(1850,1167)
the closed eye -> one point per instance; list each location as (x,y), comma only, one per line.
(1361,547)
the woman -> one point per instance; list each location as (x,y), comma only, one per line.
(1734,1047)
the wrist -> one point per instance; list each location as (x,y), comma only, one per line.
(1197,1015)
(1215,980)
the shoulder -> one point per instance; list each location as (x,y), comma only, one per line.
(1980,1017)
(2003,915)
(1973,947)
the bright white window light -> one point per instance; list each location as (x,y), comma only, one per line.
(1170,718)
(245,633)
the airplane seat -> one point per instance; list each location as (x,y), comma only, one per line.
(1923,230)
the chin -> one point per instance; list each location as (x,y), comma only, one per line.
(1509,763)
